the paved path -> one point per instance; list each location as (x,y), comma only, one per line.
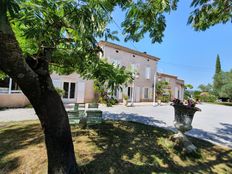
(214,123)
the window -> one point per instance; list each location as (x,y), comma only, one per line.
(69,89)
(116,62)
(130,92)
(146,93)
(72,90)
(65,87)
(148,72)
(167,79)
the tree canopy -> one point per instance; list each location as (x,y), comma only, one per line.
(208,13)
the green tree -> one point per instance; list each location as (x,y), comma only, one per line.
(161,88)
(187,92)
(208,13)
(218,77)
(218,65)
(206,88)
(225,91)
(62,36)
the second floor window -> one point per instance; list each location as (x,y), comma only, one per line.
(148,72)
(116,62)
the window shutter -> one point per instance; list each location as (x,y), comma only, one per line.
(148,72)
(150,93)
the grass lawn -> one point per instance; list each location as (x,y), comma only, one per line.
(224,103)
(110,148)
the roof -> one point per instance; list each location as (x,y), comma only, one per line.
(180,81)
(119,47)
(166,75)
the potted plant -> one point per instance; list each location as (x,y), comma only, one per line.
(125,100)
(184,114)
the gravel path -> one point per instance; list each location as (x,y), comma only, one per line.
(213,123)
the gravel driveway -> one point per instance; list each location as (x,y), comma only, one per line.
(213,123)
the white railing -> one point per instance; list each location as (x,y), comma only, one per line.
(6,91)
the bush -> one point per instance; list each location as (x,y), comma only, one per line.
(206,97)
(165,98)
(61,92)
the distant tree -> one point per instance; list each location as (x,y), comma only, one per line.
(188,86)
(218,65)
(226,89)
(218,77)
(206,88)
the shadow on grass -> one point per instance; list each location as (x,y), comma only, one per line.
(139,149)
(14,138)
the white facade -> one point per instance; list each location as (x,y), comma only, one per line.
(143,65)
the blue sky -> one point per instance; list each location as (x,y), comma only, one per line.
(184,52)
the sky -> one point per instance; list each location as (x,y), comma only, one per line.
(186,53)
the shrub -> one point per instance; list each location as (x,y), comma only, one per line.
(61,92)
(206,97)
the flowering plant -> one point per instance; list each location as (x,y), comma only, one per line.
(189,102)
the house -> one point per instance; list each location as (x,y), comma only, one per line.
(142,89)
(142,64)
(175,85)
(80,90)
(77,90)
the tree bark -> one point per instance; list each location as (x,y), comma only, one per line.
(47,103)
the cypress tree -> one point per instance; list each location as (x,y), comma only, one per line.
(218,65)
(218,82)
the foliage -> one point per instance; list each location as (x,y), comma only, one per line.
(209,13)
(207,97)
(125,97)
(165,98)
(103,94)
(2,75)
(187,92)
(218,65)
(218,77)
(226,91)
(206,88)
(161,89)
(61,92)
(188,86)
(196,94)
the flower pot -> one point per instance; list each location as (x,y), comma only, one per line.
(183,122)
(125,102)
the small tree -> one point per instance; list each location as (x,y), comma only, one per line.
(161,88)
(187,92)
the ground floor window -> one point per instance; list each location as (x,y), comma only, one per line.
(69,90)
(8,84)
(146,93)
(129,92)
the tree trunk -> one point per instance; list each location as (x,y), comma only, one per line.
(47,104)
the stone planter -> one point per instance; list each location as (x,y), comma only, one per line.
(125,102)
(183,122)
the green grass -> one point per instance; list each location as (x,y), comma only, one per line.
(110,148)
(224,103)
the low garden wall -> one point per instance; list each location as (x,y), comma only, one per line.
(13,100)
